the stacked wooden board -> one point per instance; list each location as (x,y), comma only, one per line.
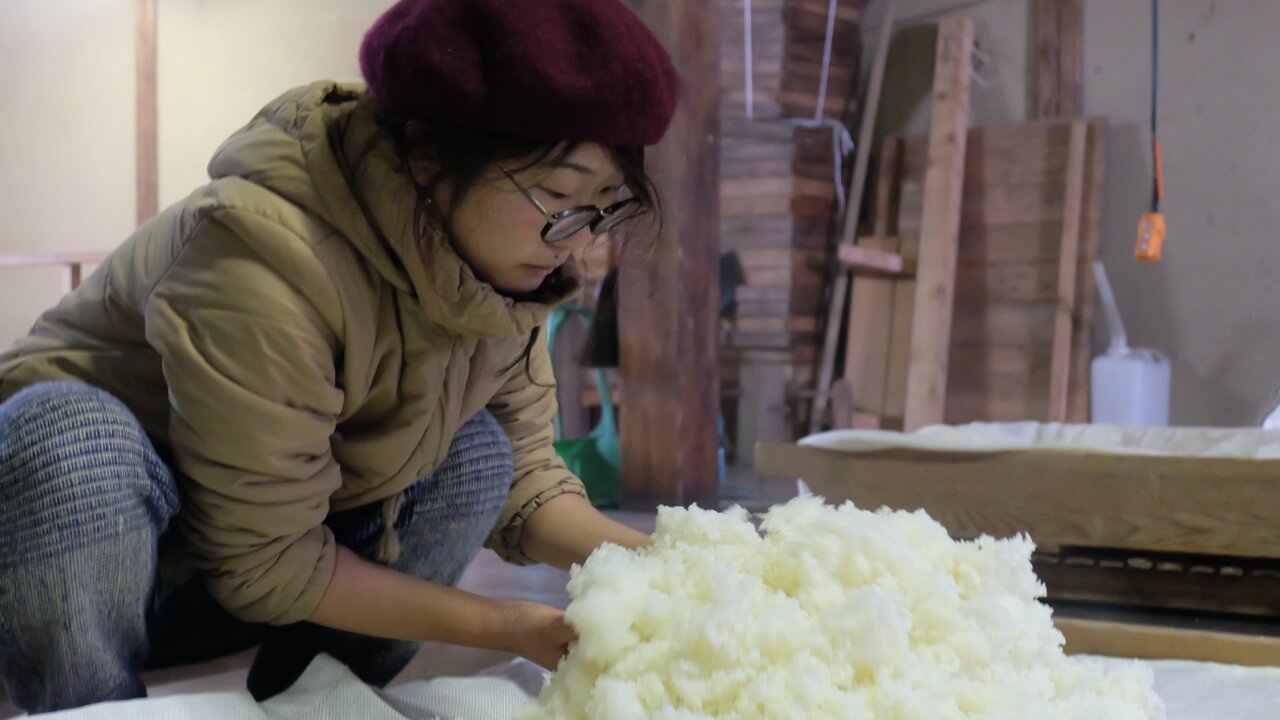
(778,200)
(1016,213)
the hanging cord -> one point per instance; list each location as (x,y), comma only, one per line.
(1157,188)
(841,139)
(983,59)
(749,64)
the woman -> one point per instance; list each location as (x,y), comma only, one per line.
(291,408)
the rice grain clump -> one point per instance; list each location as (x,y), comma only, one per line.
(833,613)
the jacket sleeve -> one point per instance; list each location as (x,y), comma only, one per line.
(248,357)
(526,407)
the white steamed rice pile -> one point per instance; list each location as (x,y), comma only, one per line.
(832,613)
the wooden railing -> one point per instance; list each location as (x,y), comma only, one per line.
(72,262)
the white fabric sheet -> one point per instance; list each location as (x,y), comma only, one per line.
(328,691)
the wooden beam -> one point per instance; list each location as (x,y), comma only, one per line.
(940,226)
(147,149)
(1153,642)
(1059,58)
(669,305)
(868,333)
(1068,265)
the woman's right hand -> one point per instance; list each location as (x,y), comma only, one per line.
(533,631)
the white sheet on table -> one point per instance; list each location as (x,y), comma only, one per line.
(1248,443)
(328,691)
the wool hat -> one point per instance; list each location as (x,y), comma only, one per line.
(576,70)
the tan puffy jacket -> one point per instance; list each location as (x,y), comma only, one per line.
(291,360)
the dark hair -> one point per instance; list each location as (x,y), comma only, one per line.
(463,156)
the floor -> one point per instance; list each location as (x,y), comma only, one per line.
(487,576)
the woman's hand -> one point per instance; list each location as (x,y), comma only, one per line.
(533,631)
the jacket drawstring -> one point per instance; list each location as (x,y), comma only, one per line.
(389,545)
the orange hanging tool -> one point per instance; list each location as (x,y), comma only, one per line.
(1151,226)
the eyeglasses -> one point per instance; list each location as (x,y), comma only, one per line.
(563,224)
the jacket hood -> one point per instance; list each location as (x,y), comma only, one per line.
(321,148)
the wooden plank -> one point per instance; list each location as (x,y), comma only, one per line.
(669,306)
(1070,58)
(902,314)
(783,257)
(994,246)
(869,340)
(940,225)
(147,141)
(571,378)
(849,231)
(869,334)
(791,323)
(1185,583)
(1010,248)
(772,340)
(980,367)
(1085,297)
(783,276)
(1068,264)
(1007,405)
(999,324)
(762,406)
(1150,642)
(1022,282)
(756,205)
(867,256)
(47,259)
(1215,506)
(996,204)
(1059,58)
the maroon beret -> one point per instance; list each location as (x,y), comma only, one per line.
(576,70)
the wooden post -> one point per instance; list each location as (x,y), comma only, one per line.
(1059,58)
(1068,264)
(940,226)
(669,305)
(147,152)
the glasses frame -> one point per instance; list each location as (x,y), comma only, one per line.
(599,215)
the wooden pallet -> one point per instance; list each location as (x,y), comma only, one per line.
(1022,309)
(1142,556)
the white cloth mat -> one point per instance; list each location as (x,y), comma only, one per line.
(328,691)
(1248,443)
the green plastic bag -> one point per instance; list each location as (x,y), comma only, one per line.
(597,458)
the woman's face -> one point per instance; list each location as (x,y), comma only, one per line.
(498,231)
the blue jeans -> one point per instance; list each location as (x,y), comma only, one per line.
(84,502)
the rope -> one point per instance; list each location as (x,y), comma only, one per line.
(841,139)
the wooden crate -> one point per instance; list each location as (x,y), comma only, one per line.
(1013,332)
(1142,555)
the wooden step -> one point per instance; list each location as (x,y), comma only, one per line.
(863,257)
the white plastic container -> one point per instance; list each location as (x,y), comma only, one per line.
(1130,386)
(1131,389)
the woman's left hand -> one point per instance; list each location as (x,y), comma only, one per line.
(533,631)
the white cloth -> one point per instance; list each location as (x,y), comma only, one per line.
(328,691)
(1249,443)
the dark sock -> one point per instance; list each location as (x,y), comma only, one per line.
(283,656)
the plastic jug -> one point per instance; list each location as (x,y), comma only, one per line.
(1130,386)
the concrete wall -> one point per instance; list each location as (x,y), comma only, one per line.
(67,74)
(1213,305)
